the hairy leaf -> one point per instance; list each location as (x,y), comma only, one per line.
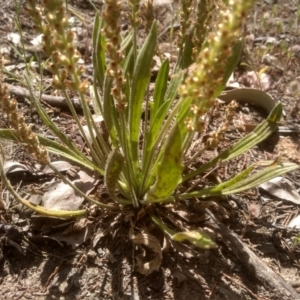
(39,209)
(157,133)
(99,52)
(141,77)
(231,64)
(244,184)
(260,133)
(160,89)
(115,162)
(169,169)
(197,238)
(57,149)
(242,175)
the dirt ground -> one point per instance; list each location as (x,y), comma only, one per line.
(40,262)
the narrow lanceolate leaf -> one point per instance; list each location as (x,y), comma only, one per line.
(197,238)
(244,184)
(151,136)
(58,149)
(159,128)
(109,110)
(99,52)
(39,209)
(260,133)
(161,85)
(186,58)
(115,162)
(129,63)
(260,177)
(127,42)
(238,178)
(158,120)
(140,80)
(231,65)
(169,169)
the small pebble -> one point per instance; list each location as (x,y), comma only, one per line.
(245,110)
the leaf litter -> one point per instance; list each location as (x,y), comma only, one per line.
(281,188)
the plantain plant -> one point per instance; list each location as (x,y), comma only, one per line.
(144,162)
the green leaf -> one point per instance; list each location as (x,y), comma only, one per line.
(109,113)
(56,148)
(244,184)
(238,178)
(151,136)
(96,103)
(141,77)
(161,84)
(127,42)
(233,60)
(169,169)
(99,52)
(128,51)
(172,91)
(115,162)
(296,240)
(197,238)
(129,63)
(260,177)
(260,133)
(157,133)
(186,58)
(47,121)
(158,121)
(161,115)
(180,120)
(231,65)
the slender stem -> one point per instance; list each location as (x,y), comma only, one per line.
(74,114)
(146,138)
(134,23)
(129,169)
(34,207)
(100,154)
(197,154)
(162,226)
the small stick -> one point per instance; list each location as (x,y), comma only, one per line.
(255,266)
(55,101)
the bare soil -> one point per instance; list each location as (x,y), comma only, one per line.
(35,264)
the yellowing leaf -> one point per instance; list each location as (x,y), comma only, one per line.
(169,169)
(197,238)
